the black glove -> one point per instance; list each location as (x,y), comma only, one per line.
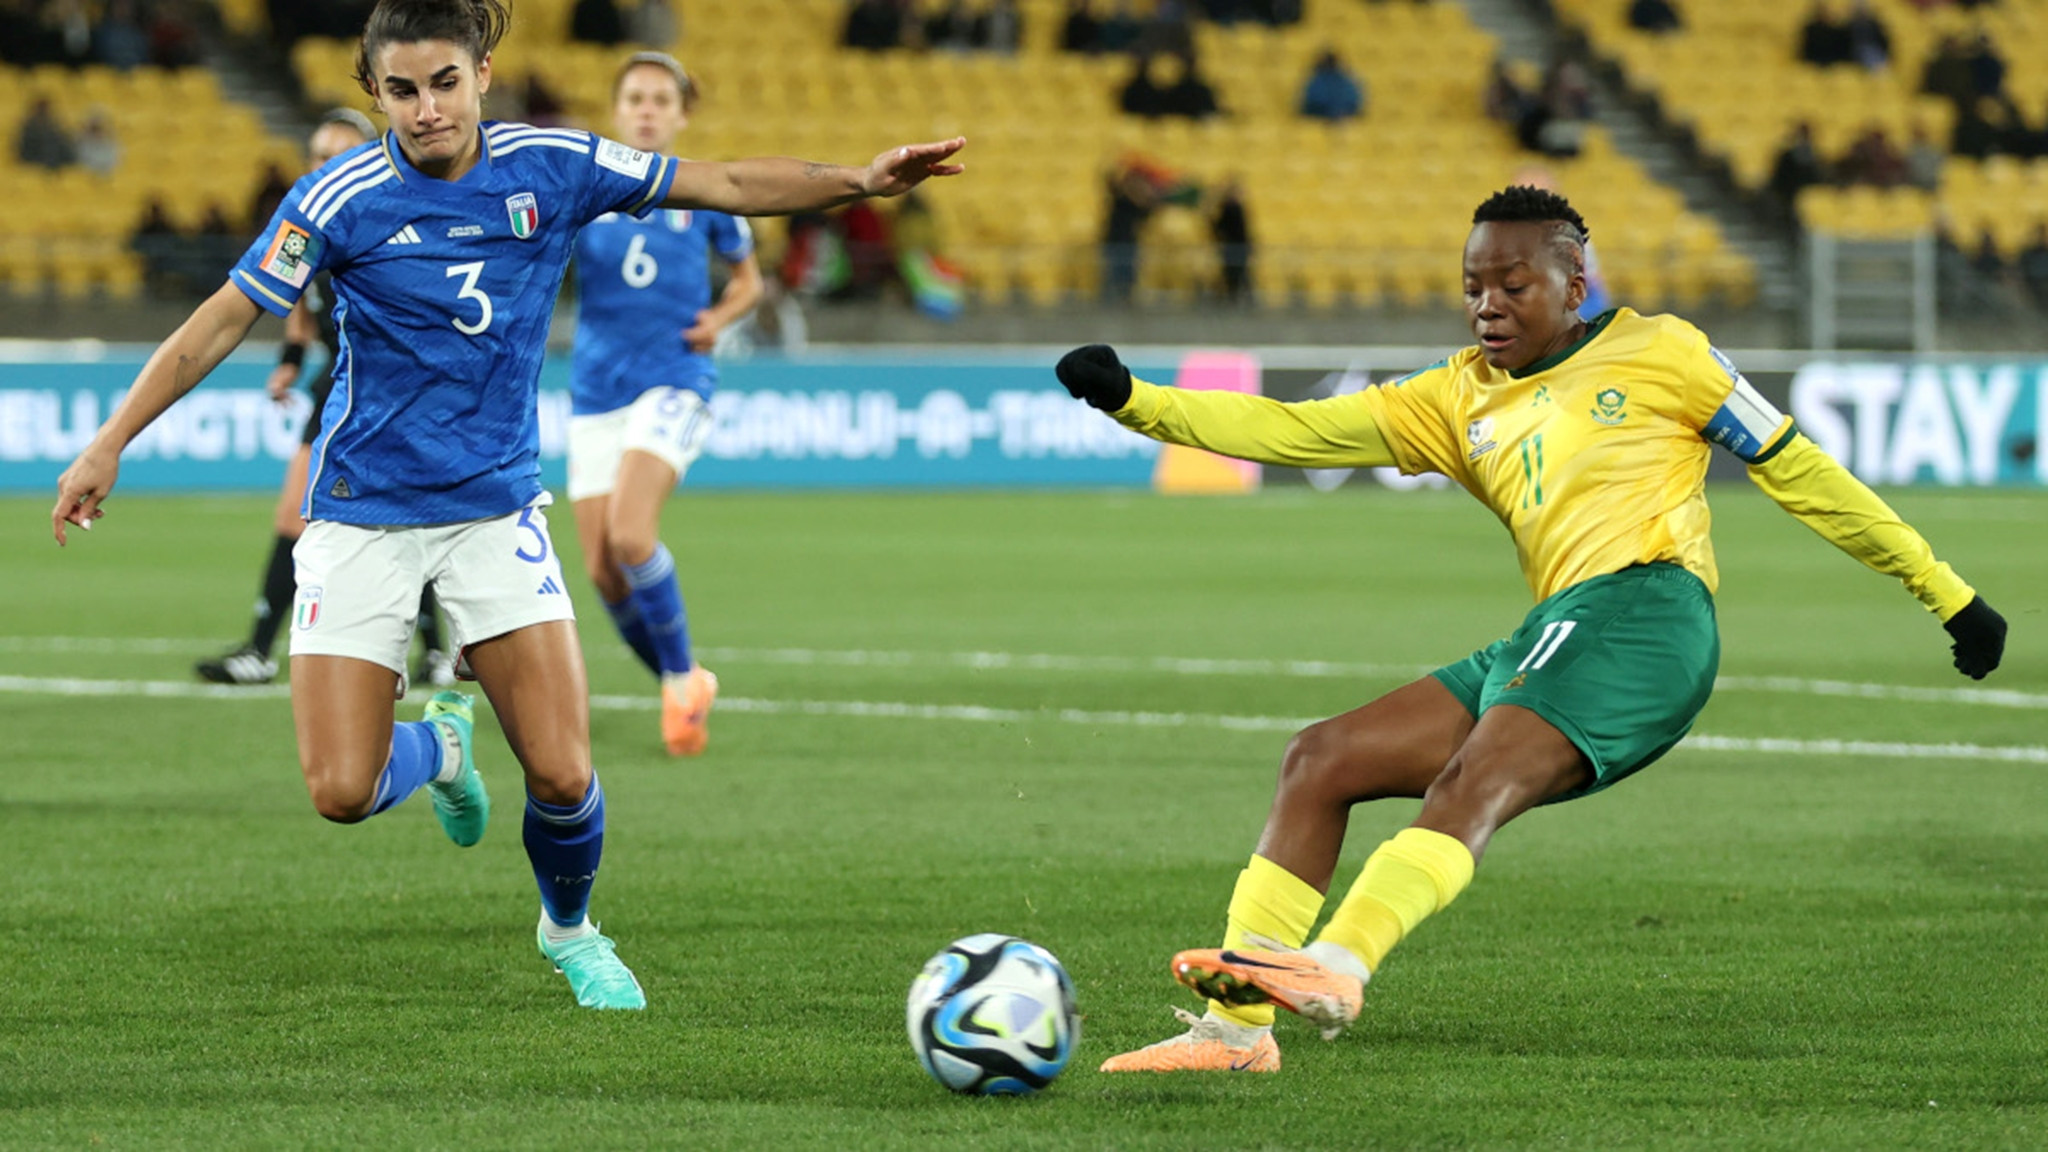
(1093,373)
(1979,636)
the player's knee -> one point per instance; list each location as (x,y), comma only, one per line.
(1312,761)
(564,784)
(604,576)
(631,547)
(341,804)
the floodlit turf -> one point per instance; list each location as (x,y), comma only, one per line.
(1734,950)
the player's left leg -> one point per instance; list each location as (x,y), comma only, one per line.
(535,681)
(501,583)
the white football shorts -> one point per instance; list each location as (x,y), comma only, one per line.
(669,423)
(359,585)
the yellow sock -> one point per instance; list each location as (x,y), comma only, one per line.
(1272,902)
(1406,880)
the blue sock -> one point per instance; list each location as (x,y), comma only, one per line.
(415,757)
(659,600)
(564,844)
(626,618)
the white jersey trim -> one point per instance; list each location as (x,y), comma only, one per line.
(530,141)
(317,195)
(349,193)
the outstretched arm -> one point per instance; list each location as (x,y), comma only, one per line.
(1829,499)
(179,363)
(1335,433)
(778,185)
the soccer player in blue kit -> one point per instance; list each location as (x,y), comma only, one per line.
(447,240)
(642,381)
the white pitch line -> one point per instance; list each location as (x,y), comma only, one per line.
(979,714)
(1168,665)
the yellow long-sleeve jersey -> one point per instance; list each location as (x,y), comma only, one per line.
(1595,459)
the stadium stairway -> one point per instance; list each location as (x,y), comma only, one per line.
(1526,34)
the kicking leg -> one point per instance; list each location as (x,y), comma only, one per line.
(1394,746)
(357,763)
(534,678)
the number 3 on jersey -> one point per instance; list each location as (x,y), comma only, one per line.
(469,291)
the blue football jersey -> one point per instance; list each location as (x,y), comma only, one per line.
(640,283)
(443,294)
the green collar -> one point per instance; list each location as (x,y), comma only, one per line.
(1599,323)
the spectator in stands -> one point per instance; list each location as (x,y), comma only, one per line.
(1120,30)
(173,39)
(1873,160)
(1332,93)
(1171,29)
(653,24)
(1984,128)
(1924,159)
(1132,198)
(1987,67)
(98,151)
(68,27)
(42,141)
(159,243)
(1231,229)
(1869,44)
(540,104)
(1654,16)
(1556,122)
(1081,31)
(1825,41)
(597,22)
(1947,73)
(118,41)
(873,25)
(1798,165)
(951,28)
(2031,138)
(1000,29)
(1506,101)
(21,34)
(1190,96)
(870,250)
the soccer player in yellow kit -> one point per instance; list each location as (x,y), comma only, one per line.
(1589,439)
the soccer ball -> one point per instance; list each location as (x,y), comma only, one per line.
(993,1015)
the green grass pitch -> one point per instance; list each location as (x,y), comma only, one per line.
(1745,947)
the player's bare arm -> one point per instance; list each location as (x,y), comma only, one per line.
(778,185)
(742,291)
(215,329)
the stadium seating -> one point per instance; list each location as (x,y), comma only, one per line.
(1360,214)
(1733,77)
(181,142)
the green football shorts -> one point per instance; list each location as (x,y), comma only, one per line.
(1621,664)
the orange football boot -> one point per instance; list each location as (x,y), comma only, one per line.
(1286,979)
(686,710)
(1207,1046)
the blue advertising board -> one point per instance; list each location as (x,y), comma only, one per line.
(846,422)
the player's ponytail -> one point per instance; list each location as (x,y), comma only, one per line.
(477,25)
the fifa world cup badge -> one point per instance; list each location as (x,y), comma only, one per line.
(525,213)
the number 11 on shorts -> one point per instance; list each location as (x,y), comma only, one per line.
(1547,644)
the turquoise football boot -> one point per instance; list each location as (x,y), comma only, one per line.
(594,970)
(462,804)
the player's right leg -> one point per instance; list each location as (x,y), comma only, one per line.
(1394,746)
(352,624)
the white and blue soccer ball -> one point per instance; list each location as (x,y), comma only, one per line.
(993,1015)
